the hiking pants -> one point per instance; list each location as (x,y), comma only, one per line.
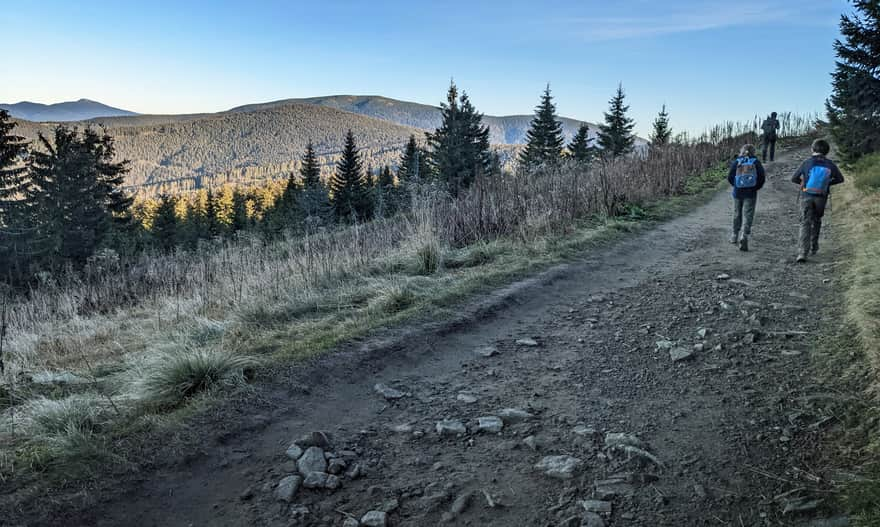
(812,210)
(743,215)
(769,143)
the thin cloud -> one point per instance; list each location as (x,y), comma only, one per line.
(681,20)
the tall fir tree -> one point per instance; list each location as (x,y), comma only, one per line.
(413,167)
(75,194)
(544,140)
(386,194)
(164,228)
(460,146)
(662,132)
(351,190)
(854,106)
(314,200)
(287,207)
(580,149)
(616,134)
(14,230)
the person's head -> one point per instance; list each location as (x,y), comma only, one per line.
(821,147)
(748,150)
(773,115)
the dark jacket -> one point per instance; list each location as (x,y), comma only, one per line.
(800,177)
(746,193)
(770,126)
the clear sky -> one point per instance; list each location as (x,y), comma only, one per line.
(707,60)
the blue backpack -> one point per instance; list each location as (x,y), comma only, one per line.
(818,181)
(746,172)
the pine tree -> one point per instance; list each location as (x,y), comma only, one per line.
(580,148)
(854,106)
(387,194)
(460,146)
(75,194)
(287,207)
(314,200)
(413,164)
(224,209)
(615,135)
(544,140)
(14,231)
(164,229)
(351,190)
(662,131)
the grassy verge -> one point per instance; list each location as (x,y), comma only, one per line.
(64,429)
(857,345)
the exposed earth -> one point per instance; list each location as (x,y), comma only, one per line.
(668,379)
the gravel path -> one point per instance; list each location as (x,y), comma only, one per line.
(666,380)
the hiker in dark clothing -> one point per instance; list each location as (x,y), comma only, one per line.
(770,126)
(747,177)
(815,176)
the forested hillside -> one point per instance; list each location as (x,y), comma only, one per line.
(188,152)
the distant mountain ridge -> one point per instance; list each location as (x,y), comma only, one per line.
(80,110)
(508,129)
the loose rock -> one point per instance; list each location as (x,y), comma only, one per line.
(336,466)
(486,351)
(294,452)
(559,467)
(287,488)
(591,519)
(312,460)
(527,342)
(315,480)
(514,415)
(680,354)
(351,522)
(597,506)
(374,519)
(466,398)
(491,424)
(388,392)
(450,427)
(318,439)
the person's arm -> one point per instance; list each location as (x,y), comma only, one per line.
(799,175)
(836,175)
(762,175)
(731,174)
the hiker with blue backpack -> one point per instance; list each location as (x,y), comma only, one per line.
(815,176)
(747,177)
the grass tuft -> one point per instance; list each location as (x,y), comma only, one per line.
(867,173)
(174,377)
(429,257)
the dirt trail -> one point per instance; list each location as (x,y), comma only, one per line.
(733,427)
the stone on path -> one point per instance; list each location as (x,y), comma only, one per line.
(374,519)
(664,345)
(591,519)
(388,392)
(527,342)
(702,332)
(513,415)
(351,522)
(312,460)
(315,480)
(337,466)
(613,439)
(584,430)
(612,488)
(294,452)
(486,351)
(404,428)
(679,354)
(532,443)
(466,398)
(318,439)
(490,424)
(559,467)
(287,488)
(723,276)
(597,506)
(450,427)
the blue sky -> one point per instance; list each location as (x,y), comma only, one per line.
(707,60)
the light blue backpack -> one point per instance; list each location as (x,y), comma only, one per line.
(746,172)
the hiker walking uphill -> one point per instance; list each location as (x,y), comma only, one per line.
(770,127)
(815,176)
(747,177)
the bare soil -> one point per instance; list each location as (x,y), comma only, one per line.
(735,430)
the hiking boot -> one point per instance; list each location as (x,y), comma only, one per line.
(801,258)
(733,238)
(744,244)
(815,249)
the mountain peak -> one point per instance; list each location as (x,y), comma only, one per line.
(79,110)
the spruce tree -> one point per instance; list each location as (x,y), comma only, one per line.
(386,194)
(14,230)
(580,148)
(287,207)
(854,106)
(662,131)
(351,190)
(460,146)
(544,140)
(164,230)
(314,200)
(75,194)
(615,135)
(413,164)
